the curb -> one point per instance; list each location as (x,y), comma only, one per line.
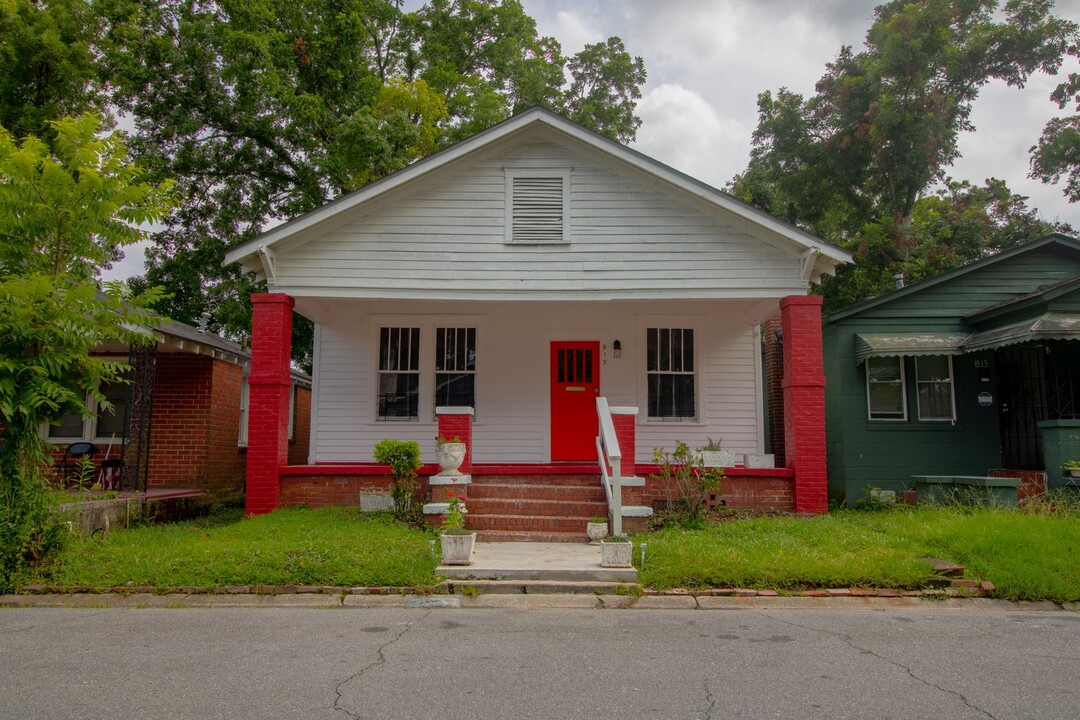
(683,601)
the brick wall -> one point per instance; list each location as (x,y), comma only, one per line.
(804,401)
(744,489)
(300,444)
(180,425)
(320,490)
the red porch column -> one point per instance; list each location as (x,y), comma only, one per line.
(268,406)
(457,422)
(804,401)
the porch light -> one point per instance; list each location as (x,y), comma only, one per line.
(617,349)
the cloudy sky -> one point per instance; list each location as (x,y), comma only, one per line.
(707,60)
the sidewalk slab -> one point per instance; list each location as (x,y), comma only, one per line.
(537,561)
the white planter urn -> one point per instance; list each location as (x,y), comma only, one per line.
(450,456)
(616,554)
(457,549)
(597,531)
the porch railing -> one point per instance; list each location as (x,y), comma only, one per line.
(609,455)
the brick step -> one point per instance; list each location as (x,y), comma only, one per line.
(575,493)
(527,523)
(532,537)
(536,480)
(533,506)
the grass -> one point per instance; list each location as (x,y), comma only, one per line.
(1029,556)
(61,497)
(327,546)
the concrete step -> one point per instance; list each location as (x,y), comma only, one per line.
(524,536)
(539,587)
(562,562)
(531,506)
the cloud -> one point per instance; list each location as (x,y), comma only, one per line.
(682,129)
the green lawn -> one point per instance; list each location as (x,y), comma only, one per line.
(328,546)
(1027,556)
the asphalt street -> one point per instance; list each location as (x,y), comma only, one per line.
(523,664)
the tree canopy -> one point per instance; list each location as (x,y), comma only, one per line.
(855,162)
(265,109)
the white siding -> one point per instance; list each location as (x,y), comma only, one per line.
(513,350)
(630,236)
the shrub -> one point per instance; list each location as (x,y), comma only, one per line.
(688,484)
(403,457)
(28,528)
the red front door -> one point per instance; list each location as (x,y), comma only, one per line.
(575,385)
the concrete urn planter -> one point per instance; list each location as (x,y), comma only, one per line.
(1073,472)
(616,554)
(450,456)
(717,458)
(458,549)
(597,531)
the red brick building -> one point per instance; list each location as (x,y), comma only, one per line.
(181,424)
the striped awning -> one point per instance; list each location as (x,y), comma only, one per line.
(907,343)
(1049,326)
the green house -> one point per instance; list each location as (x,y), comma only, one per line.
(974,370)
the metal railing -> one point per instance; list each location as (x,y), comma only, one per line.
(609,455)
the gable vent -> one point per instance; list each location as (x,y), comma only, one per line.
(538,210)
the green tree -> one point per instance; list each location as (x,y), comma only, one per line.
(65,212)
(852,162)
(265,109)
(47,63)
(1057,152)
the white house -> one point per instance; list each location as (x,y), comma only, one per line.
(524,273)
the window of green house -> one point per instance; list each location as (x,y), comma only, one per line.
(933,377)
(885,388)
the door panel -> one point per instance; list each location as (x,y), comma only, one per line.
(1022,388)
(575,385)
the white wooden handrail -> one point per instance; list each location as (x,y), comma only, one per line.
(609,454)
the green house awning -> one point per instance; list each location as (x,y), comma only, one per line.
(1049,326)
(907,343)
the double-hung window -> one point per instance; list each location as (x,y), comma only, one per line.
(885,389)
(455,367)
(103,426)
(670,374)
(399,373)
(933,378)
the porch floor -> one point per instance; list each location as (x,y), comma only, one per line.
(572,562)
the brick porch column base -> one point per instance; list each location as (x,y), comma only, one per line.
(268,400)
(804,401)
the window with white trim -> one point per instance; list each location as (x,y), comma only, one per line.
(399,373)
(102,425)
(934,385)
(455,367)
(537,207)
(670,374)
(885,388)
(245,407)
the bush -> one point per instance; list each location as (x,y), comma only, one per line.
(29,529)
(403,457)
(688,484)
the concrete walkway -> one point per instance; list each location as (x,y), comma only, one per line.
(565,562)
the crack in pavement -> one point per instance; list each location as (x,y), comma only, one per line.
(380,659)
(847,640)
(710,698)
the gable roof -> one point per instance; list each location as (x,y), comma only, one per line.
(1053,239)
(259,250)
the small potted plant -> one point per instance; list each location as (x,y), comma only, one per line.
(616,552)
(714,456)
(457,541)
(597,529)
(1072,467)
(449,453)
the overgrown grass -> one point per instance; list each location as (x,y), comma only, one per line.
(1026,555)
(327,546)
